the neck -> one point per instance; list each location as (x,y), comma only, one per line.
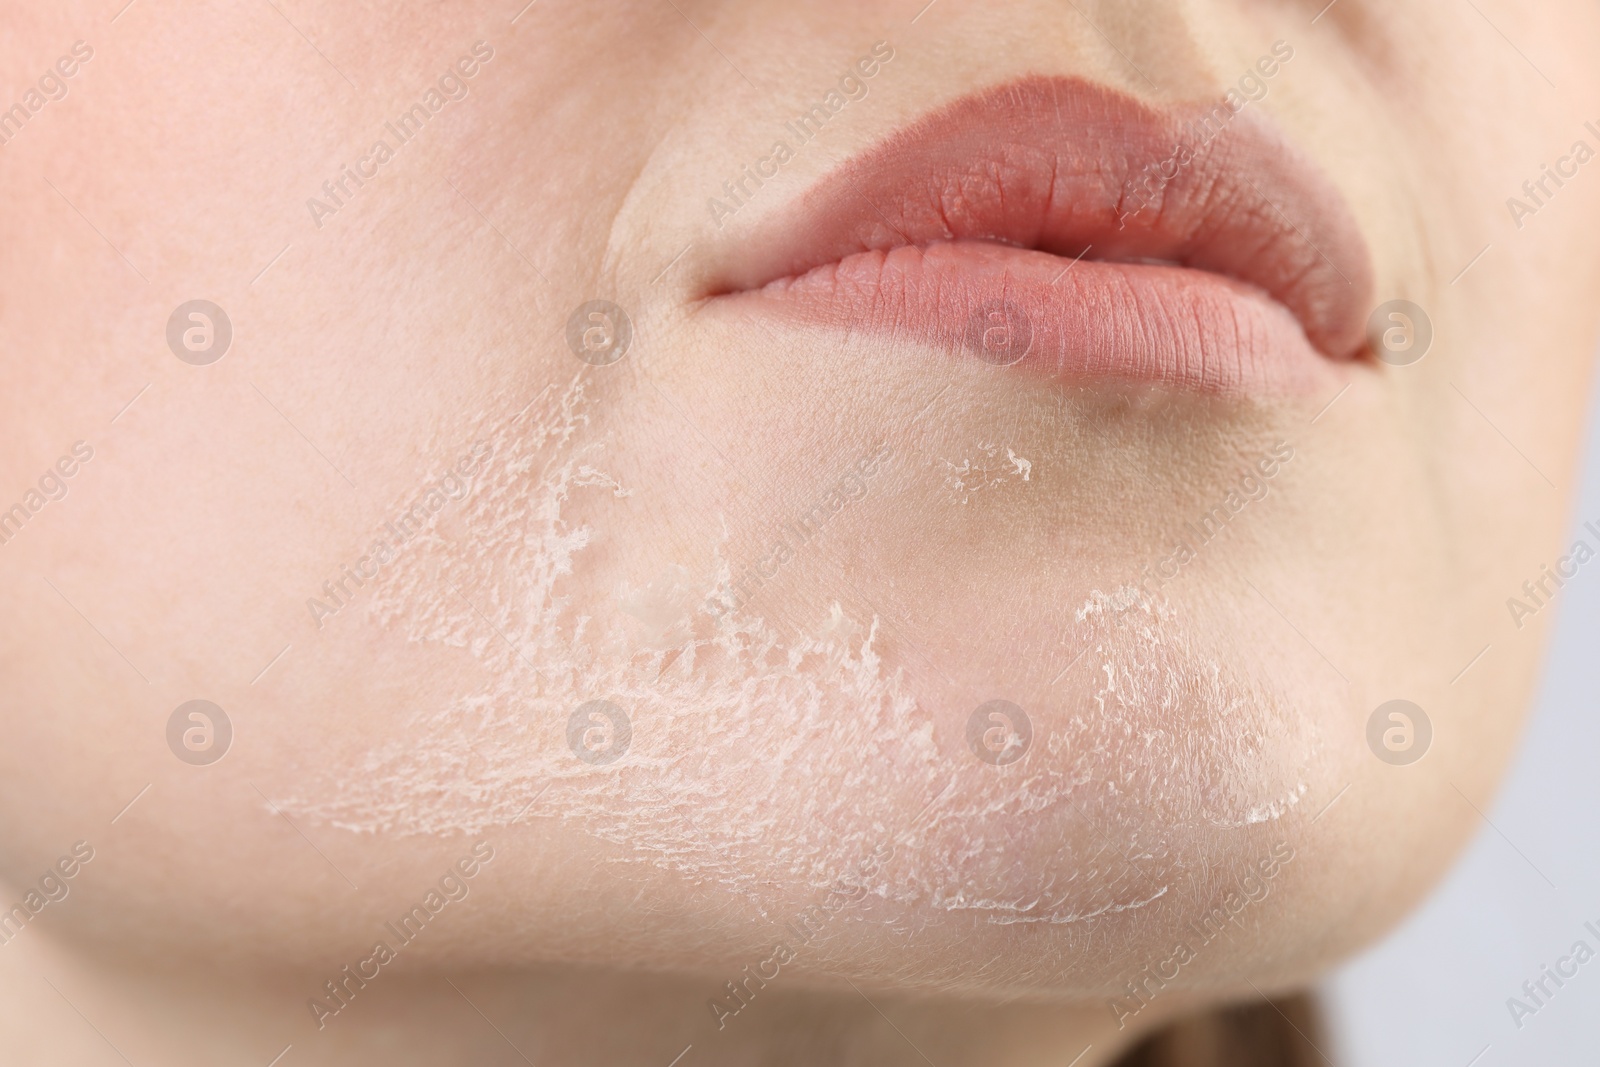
(63,1006)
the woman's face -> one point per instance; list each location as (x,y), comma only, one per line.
(661,455)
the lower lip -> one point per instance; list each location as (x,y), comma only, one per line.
(1074,321)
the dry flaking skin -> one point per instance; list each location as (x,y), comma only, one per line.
(757,761)
(988,470)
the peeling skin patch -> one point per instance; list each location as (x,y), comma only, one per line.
(1115,604)
(1204,736)
(1273,811)
(1002,913)
(756,761)
(984,472)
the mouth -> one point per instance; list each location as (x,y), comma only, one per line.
(1064,228)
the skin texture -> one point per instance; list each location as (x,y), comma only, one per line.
(800,746)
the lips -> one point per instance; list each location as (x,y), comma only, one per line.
(1064,228)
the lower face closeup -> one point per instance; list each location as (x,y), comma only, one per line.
(940,502)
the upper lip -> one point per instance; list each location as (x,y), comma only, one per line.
(1064,166)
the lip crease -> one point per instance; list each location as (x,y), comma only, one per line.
(1048,224)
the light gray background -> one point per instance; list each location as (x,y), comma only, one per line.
(1433,994)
